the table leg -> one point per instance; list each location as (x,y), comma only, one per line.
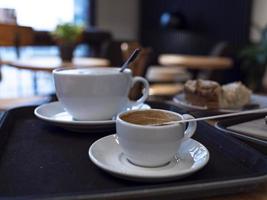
(19,83)
(35,83)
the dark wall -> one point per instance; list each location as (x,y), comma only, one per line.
(206,23)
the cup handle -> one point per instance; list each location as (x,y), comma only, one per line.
(144,97)
(192,126)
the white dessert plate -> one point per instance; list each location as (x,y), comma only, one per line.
(180,100)
(107,154)
(55,114)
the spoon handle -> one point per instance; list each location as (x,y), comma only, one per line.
(261,110)
(130,59)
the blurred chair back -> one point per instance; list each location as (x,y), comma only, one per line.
(25,36)
(7,38)
(13,35)
(7,35)
(139,66)
(16,36)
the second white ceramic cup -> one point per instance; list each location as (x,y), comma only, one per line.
(152,146)
(96,93)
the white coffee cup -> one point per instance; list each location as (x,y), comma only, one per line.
(96,93)
(148,145)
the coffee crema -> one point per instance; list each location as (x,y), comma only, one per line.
(148,117)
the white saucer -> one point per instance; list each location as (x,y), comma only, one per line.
(55,114)
(107,154)
(180,100)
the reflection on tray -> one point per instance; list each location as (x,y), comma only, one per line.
(255,128)
(250,128)
(181,101)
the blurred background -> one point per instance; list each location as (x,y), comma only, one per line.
(220,40)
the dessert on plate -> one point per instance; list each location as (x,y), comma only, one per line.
(211,94)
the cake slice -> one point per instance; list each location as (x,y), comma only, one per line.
(203,93)
(234,95)
(210,94)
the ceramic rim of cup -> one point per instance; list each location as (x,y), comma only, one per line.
(117,69)
(148,126)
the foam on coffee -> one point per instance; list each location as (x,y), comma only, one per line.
(148,117)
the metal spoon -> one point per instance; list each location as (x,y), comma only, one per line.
(132,57)
(261,110)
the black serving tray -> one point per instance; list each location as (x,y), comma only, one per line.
(257,143)
(39,160)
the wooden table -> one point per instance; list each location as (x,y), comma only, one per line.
(4,62)
(196,62)
(48,64)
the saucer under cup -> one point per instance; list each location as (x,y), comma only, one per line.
(55,114)
(107,154)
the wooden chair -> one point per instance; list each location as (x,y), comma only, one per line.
(139,66)
(7,35)
(16,36)
(25,37)
(7,38)
(13,36)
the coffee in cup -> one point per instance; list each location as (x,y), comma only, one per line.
(149,117)
(148,145)
(96,93)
